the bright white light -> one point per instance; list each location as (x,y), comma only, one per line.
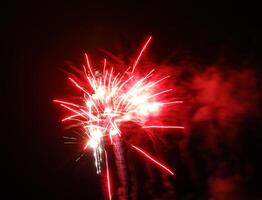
(95,139)
(113,132)
(108,110)
(88,103)
(146,108)
(153,107)
(100,93)
(139,99)
(93,143)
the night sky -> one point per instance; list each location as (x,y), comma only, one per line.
(212,49)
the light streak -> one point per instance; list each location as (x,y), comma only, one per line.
(140,54)
(108,178)
(67,103)
(175,127)
(152,159)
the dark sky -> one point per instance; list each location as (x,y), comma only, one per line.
(41,39)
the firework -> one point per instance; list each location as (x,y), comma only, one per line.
(110,98)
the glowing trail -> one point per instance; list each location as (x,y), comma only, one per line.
(140,54)
(108,178)
(175,127)
(152,159)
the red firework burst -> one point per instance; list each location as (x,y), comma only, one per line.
(111,98)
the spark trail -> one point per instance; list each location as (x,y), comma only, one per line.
(110,98)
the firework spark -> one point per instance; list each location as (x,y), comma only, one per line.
(111,98)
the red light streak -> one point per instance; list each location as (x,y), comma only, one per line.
(89,66)
(140,54)
(175,127)
(72,110)
(108,178)
(104,66)
(67,103)
(78,86)
(70,117)
(152,159)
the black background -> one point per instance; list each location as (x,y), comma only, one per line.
(42,37)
